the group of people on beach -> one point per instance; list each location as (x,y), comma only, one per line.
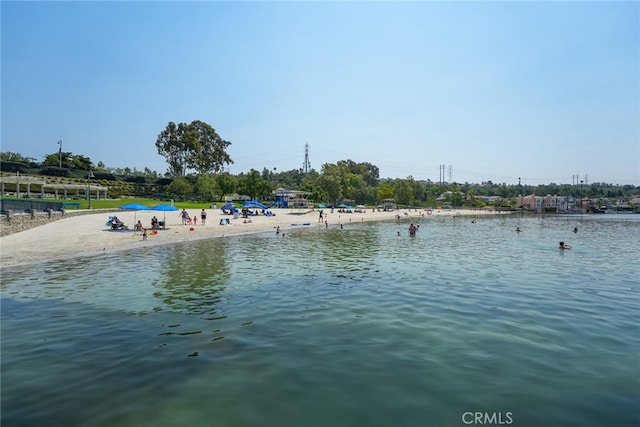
(139,227)
(187,220)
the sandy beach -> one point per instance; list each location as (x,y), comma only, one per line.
(87,235)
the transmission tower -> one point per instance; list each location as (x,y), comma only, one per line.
(450,174)
(306,166)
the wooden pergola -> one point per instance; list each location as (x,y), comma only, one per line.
(28,181)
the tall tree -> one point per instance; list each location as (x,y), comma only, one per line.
(171,145)
(254,186)
(370,173)
(193,146)
(207,150)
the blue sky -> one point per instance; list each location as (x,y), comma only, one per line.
(496,90)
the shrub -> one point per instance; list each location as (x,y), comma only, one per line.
(13,167)
(55,171)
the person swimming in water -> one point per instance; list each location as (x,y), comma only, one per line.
(563,246)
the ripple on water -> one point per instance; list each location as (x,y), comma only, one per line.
(462,317)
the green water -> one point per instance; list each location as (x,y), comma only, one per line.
(341,327)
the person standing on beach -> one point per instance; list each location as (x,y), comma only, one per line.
(185,216)
(203,216)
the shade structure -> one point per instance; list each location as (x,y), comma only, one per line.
(164,209)
(135,207)
(228,206)
(254,205)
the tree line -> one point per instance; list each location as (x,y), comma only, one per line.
(196,157)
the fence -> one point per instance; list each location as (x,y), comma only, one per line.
(18,205)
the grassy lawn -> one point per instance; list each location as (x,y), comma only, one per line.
(116,203)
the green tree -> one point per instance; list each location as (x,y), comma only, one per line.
(355,188)
(172,146)
(332,186)
(207,150)
(333,181)
(317,192)
(226,184)
(385,191)
(194,146)
(8,156)
(54,159)
(206,187)
(82,162)
(404,192)
(252,184)
(179,187)
(369,172)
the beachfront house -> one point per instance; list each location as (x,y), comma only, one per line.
(549,202)
(292,198)
(389,204)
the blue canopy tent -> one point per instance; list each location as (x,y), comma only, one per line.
(229,207)
(164,209)
(253,204)
(135,207)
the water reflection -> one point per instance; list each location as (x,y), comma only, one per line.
(193,277)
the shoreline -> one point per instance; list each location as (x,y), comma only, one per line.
(88,236)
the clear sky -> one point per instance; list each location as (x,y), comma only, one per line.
(496,90)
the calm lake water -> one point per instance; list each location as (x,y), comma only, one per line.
(341,327)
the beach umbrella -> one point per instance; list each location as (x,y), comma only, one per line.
(135,207)
(228,206)
(164,209)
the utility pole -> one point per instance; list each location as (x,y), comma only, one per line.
(60,152)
